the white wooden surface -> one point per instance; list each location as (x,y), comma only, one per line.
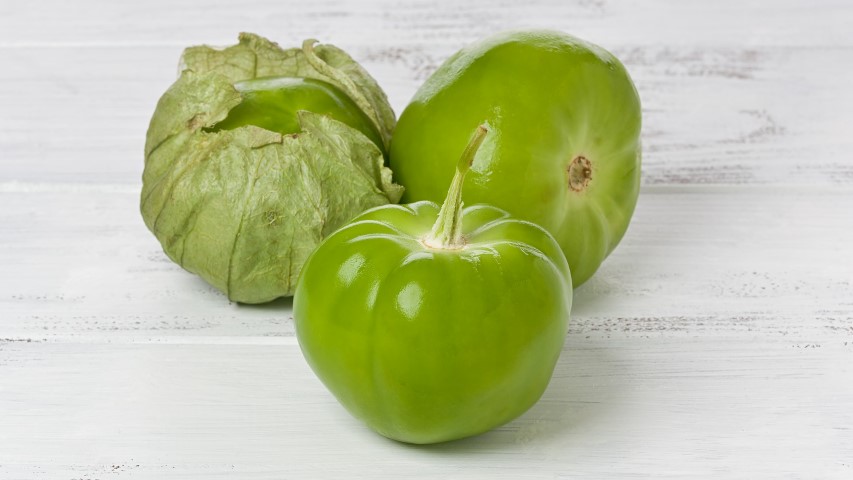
(716,342)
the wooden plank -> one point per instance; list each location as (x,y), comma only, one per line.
(721,115)
(716,342)
(79,266)
(390,23)
(616,408)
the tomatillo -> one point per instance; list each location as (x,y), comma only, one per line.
(273,103)
(432,324)
(255,154)
(566,152)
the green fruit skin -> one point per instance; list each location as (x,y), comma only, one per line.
(427,345)
(273,102)
(548,98)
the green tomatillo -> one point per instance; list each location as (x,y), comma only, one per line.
(274,103)
(435,323)
(566,121)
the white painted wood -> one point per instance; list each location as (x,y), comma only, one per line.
(733,23)
(727,115)
(641,407)
(716,342)
(81,267)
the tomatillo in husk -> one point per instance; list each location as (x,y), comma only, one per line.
(255,154)
(566,123)
(435,323)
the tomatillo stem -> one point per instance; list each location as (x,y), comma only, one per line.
(447,231)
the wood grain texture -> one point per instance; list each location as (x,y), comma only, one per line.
(771,261)
(722,116)
(716,342)
(751,111)
(733,23)
(624,408)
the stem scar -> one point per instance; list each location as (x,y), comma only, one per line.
(580,173)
